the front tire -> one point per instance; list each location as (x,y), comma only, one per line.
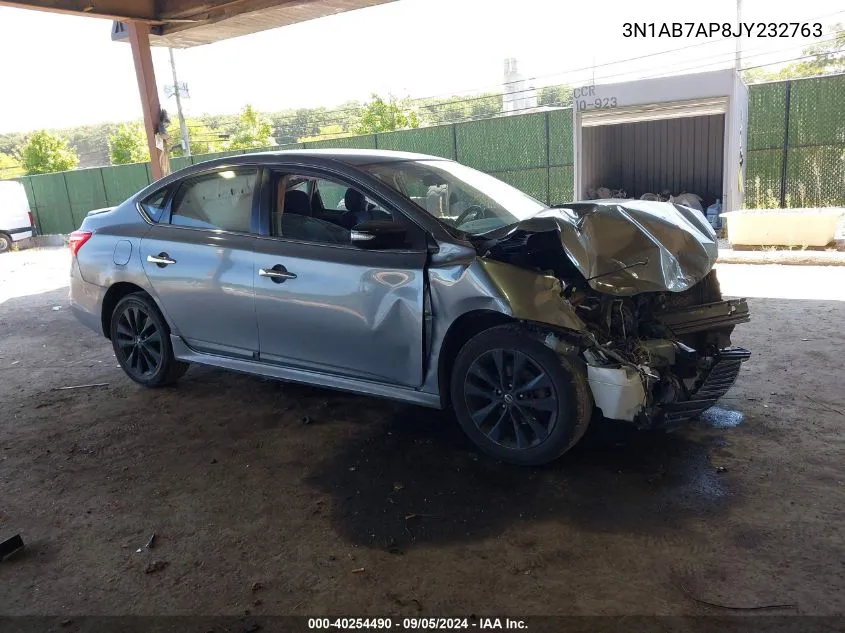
(517,399)
(141,341)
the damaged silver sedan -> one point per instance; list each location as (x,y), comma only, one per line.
(419,279)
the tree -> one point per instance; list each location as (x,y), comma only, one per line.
(10,167)
(454,109)
(554,96)
(128,144)
(826,58)
(384,116)
(252,130)
(326,133)
(204,140)
(45,153)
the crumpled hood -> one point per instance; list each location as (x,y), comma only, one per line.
(600,237)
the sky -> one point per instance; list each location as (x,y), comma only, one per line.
(60,71)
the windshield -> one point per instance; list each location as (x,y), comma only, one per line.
(459,196)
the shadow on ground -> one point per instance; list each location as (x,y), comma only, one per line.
(415,480)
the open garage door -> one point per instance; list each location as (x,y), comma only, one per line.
(671,147)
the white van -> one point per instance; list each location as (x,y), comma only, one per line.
(16,221)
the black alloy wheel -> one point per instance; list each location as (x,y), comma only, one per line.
(516,398)
(141,341)
(511,399)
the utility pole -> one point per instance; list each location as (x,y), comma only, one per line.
(739,37)
(186,140)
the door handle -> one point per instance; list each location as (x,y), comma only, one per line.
(161,260)
(277,273)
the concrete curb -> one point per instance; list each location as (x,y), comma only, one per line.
(40,241)
(786,258)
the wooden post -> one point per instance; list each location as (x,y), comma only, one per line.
(139,38)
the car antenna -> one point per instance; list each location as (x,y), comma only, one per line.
(640,263)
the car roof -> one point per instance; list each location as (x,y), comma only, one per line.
(347,156)
(313,157)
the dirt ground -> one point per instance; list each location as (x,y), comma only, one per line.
(377,508)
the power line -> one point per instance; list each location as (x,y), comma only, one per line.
(323,121)
(696,65)
(781,61)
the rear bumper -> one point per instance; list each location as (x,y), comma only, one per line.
(86,300)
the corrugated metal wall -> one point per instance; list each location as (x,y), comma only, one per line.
(681,155)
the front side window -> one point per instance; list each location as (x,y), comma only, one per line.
(457,195)
(324,212)
(220,200)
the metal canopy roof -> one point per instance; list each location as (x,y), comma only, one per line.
(186,23)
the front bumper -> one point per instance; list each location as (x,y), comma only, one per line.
(718,380)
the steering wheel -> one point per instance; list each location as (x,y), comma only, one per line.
(470,211)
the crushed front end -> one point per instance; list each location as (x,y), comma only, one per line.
(656,334)
(661,359)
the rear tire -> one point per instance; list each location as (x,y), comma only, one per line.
(5,242)
(141,341)
(517,399)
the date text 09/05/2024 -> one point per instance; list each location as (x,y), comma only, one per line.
(721,29)
(409,624)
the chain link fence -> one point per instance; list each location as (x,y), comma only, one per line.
(796,144)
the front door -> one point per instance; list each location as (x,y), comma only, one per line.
(199,259)
(327,305)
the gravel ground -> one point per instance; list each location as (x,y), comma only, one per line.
(379,508)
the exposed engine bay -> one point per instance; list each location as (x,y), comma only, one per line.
(657,334)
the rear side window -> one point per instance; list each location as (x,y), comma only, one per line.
(220,200)
(154,205)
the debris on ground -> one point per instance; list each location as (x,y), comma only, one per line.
(257,586)
(10,547)
(306,419)
(149,545)
(358,570)
(56,308)
(156,565)
(95,384)
(721,469)
(397,486)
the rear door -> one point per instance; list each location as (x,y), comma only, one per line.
(199,259)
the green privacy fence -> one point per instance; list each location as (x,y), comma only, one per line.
(795,156)
(532,152)
(796,143)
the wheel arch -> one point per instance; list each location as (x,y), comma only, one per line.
(474,322)
(460,331)
(113,295)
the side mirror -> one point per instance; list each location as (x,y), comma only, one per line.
(378,234)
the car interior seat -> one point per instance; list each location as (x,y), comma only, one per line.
(356,209)
(296,222)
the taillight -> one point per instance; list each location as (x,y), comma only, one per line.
(77,239)
(31,219)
